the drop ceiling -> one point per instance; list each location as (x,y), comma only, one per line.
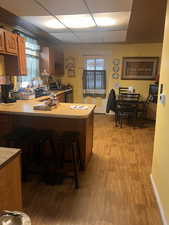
(138,21)
(39,12)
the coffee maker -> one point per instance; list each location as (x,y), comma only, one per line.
(5,93)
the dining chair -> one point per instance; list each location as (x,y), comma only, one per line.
(127,105)
(123,90)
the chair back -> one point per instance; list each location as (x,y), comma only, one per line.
(123,90)
(130,96)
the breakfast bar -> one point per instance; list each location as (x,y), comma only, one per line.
(65,117)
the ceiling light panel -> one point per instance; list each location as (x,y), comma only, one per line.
(47,23)
(65,7)
(23,7)
(77,21)
(118,20)
(98,6)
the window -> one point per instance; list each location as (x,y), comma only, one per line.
(94,77)
(32,61)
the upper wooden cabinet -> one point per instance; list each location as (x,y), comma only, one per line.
(8,42)
(51,61)
(21,55)
(2,41)
(47,62)
(59,62)
(11,42)
(15,64)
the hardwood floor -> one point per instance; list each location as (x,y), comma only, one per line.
(115,188)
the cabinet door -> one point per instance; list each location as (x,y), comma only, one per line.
(47,61)
(2,41)
(11,43)
(21,56)
(59,62)
(44,61)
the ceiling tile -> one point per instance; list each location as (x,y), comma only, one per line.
(109,5)
(90,37)
(121,19)
(114,36)
(23,7)
(66,37)
(65,7)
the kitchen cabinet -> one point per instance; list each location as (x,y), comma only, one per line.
(10,177)
(61,97)
(59,62)
(65,96)
(2,41)
(21,55)
(69,96)
(11,42)
(51,61)
(47,61)
(17,62)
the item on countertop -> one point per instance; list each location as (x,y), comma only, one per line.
(81,107)
(26,93)
(47,105)
(6,93)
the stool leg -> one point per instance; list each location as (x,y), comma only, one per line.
(79,156)
(75,165)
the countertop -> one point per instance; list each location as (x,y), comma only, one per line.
(63,110)
(7,154)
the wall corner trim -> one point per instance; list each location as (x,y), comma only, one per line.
(163,217)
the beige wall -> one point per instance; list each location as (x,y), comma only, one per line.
(109,52)
(160,169)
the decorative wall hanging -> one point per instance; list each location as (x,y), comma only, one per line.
(70,66)
(116,68)
(116,61)
(140,68)
(115,76)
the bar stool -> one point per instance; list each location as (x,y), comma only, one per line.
(32,142)
(68,142)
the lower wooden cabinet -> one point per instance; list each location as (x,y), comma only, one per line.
(10,185)
(67,97)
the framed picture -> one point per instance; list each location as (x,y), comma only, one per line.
(140,68)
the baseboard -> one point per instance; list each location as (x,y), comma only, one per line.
(163,217)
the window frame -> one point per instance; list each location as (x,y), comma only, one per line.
(95,91)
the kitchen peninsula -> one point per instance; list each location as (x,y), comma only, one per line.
(60,119)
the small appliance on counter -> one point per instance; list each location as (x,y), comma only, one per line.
(6,90)
(41,91)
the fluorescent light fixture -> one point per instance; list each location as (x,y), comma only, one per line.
(77,21)
(112,19)
(105,21)
(54,23)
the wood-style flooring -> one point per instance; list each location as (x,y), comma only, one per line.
(115,188)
